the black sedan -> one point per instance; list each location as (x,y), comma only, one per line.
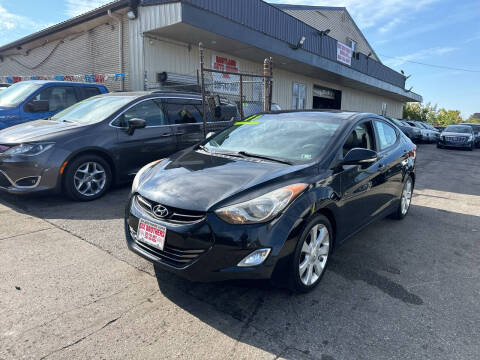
(271,196)
(457,136)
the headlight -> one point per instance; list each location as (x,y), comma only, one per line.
(141,174)
(29,149)
(261,209)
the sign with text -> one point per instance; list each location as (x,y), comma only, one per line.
(225,83)
(344,54)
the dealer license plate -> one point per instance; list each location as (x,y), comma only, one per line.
(151,234)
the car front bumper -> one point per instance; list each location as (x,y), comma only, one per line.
(210,250)
(452,144)
(28,174)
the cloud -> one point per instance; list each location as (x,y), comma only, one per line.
(78,7)
(10,21)
(370,13)
(419,55)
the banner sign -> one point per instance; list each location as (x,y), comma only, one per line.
(91,78)
(225,83)
(344,53)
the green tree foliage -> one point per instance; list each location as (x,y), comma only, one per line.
(429,114)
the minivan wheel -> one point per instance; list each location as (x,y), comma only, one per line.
(87,178)
(405,200)
(311,255)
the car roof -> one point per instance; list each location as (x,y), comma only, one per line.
(341,115)
(43,82)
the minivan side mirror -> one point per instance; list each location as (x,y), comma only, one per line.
(135,123)
(36,106)
(359,156)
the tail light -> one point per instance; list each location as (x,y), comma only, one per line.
(413,153)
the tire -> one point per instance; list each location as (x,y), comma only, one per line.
(401,211)
(97,173)
(299,280)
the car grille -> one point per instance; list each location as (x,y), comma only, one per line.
(4,182)
(175,215)
(171,255)
(457,139)
(4,148)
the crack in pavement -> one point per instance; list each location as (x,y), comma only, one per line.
(27,233)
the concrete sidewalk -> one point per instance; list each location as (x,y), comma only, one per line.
(61,297)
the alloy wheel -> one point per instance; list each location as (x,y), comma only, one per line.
(314,254)
(90,178)
(406,196)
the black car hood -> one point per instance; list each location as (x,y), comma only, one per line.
(197,180)
(34,131)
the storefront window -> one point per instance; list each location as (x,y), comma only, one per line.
(299,96)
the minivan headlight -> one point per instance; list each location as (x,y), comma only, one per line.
(142,173)
(29,149)
(261,209)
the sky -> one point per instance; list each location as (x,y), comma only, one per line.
(445,34)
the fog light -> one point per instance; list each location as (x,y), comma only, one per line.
(255,258)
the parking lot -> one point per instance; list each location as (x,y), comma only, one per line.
(69,288)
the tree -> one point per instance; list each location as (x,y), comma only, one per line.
(420,112)
(448,117)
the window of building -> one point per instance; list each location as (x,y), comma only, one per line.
(387,136)
(299,96)
(352,44)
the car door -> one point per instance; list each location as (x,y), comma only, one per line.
(362,185)
(58,98)
(186,119)
(155,141)
(393,157)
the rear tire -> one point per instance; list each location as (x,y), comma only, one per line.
(405,199)
(311,255)
(87,178)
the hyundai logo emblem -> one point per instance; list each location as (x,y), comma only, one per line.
(160,211)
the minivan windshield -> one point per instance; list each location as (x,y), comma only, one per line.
(92,110)
(297,137)
(462,129)
(17,93)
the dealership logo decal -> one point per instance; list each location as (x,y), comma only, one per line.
(160,211)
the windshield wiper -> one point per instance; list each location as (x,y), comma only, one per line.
(264,157)
(204,148)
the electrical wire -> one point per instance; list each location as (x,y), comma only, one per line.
(431,65)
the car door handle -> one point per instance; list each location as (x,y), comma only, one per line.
(180,133)
(166,134)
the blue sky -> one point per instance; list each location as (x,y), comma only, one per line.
(438,32)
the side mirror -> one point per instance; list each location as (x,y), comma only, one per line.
(210,134)
(36,106)
(359,156)
(134,124)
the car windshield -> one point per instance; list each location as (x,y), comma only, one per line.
(290,137)
(94,109)
(17,93)
(459,129)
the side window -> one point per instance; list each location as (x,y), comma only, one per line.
(361,137)
(299,96)
(149,110)
(183,111)
(58,97)
(387,136)
(90,91)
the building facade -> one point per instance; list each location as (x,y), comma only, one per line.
(145,39)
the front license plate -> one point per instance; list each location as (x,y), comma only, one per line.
(151,234)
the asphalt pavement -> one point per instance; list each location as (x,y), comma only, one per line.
(70,289)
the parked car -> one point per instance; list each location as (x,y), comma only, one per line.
(270,196)
(476,132)
(102,140)
(457,136)
(434,131)
(427,134)
(412,132)
(41,99)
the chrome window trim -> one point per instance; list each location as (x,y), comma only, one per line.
(152,98)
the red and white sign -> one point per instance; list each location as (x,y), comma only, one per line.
(151,234)
(225,83)
(344,53)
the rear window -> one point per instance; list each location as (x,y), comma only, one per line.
(90,91)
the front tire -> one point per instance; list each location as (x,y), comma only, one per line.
(311,255)
(405,200)
(87,178)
